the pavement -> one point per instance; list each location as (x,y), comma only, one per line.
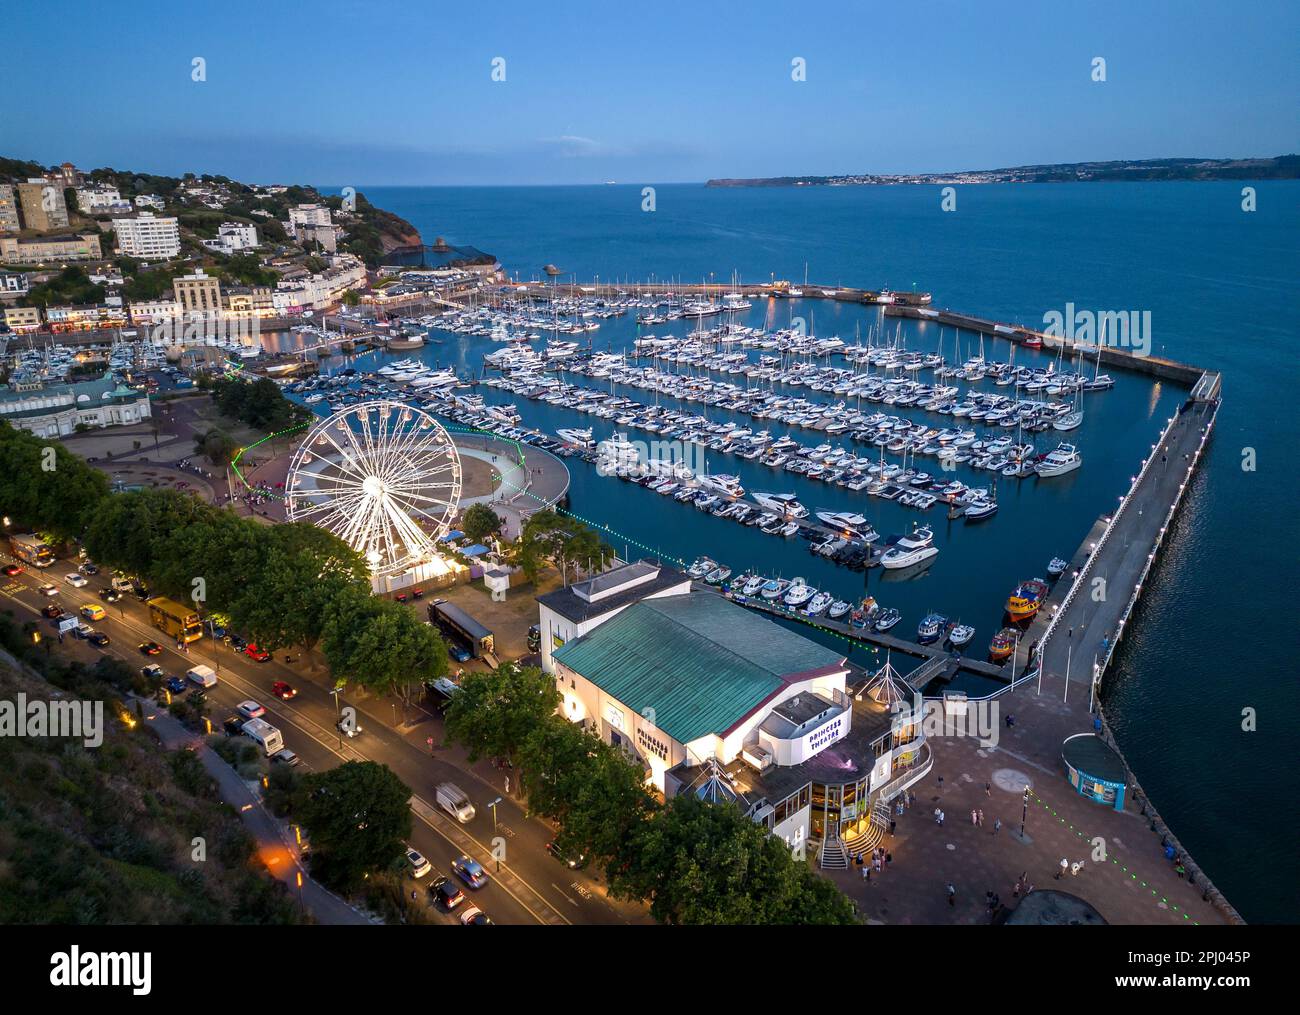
(528,886)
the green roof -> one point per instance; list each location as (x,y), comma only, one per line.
(700,662)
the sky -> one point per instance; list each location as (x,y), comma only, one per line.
(334,92)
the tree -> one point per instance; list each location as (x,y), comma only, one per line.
(357,816)
(493,713)
(706,863)
(561,540)
(47,487)
(480,522)
(380,645)
(217,446)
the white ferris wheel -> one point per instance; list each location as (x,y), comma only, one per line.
(382,476)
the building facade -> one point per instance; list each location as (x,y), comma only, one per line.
(50,249)
(198,294)
(43,206)
(55,410)
(148,236)
(9,221)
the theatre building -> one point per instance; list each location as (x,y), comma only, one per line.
(713,699)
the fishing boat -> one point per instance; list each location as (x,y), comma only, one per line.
(1065,458)
(701,567)
(1056,567)
(865,614)
(931,627)
(886,619)
(798,593)
(774,588)
(1026,599)
(783,504)
(819,603)
(960,635)
(915,548)
(838,608)
(718,575)
(1003,644)
(752,585)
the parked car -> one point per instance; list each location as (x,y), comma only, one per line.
(286,757)
(469,871)
(257,654)
(446,893)
(251,709)
(89,568)
(97,638)
(109,595)
(233,725)
(418,864)
(284,691)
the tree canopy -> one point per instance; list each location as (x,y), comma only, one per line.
(562,540)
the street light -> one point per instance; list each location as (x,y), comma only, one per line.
(1024,812)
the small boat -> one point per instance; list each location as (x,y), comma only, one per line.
(980,510)
(1065,458)
(752,585)
(819,603)
(837,609)
(1003,644)
(701,567)
(720,483)
(799,593)
(886,619)
(718,575)
(960,635)
(915,548)
(572,435)
(1026,598)
(1056,567)
(774,588)
(931,627)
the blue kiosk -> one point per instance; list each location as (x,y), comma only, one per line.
(1095,771)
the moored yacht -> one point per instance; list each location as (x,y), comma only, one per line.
(783,504)
(915,548)
(721,483)
(1065,458)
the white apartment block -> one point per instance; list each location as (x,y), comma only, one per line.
(317,292)
(101,198)
(150,201)
(148,236)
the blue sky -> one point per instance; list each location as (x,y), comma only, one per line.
(402,93)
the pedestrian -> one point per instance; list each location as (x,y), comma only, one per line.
(892,825)
(936,814)
(1075,868)
(1015,894)
(911,799)
(974,820)
(981,820)
(952,894)
(889,857)
(1182,871)
(988,901)
(941,782)
(997,825)
(1065,866)
(879,864)
(1070,633)
(988,789)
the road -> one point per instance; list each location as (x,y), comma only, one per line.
(527,886)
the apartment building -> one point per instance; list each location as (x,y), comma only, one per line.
(50,249)
(9,222)
(101,198)
(43,207)
(148,236)
(198,295)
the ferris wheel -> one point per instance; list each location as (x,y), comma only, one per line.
(382,476)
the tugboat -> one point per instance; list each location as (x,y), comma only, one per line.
(1026,599)
(1003,644)
(930,628)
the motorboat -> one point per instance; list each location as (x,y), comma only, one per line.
(838,608)
(819,603)
(1065,458)
(701,567)
(774,588)
(572,435)
(799,593)
(718,575)
(908,550)
(1026,599)
(980,510)
(931,627)
(783,504)
(886,618)
(1003,644)
(1056,567)
(753,585)
(960,635)
(850,524)
(721,483)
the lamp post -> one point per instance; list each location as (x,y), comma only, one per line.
(1024,813)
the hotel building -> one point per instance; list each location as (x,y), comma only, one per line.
(43,206)
(49,249)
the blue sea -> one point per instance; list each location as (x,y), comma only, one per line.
(1214,643)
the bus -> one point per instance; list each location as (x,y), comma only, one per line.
(460,629)
(31,549)
(180,622)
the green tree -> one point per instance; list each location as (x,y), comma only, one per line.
(480,522)
(561,540)
(44,486)
(357,817)
(493,713)
(707,863)
(217,446)
(380,645)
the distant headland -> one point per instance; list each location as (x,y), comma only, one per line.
(1279,167)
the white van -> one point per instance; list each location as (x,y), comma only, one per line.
(203,676)
(263,733)
(452,799)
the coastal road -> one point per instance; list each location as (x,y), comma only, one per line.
(1088,625)
(529,886)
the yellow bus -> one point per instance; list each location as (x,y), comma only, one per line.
(180,622)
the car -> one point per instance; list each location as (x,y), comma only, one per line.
(417,593)
(176,685)
(93,611)
(574,861)
(109,595)
(459,653)
(237,643)
(469,871)
(349,727)
(97,638)
(475,917)
(48,590)
(233,725)
(446,893)
(141,593)
(52,612)
(251,709)
(89,568)
(535,638)
(150,648)
(257,654)
(401,597)
(284,691)
(418,864)
(286,757)
(12,570)
(82,630)
(75,579)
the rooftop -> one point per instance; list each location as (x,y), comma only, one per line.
(612,590)
(700,663)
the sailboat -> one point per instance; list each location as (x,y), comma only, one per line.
(1072,419)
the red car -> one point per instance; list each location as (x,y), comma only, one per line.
(284,691)
(14,569)
(150,648)
(257,654)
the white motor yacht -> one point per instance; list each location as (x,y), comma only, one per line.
(1065,458)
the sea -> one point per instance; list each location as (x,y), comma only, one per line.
(1204,685)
